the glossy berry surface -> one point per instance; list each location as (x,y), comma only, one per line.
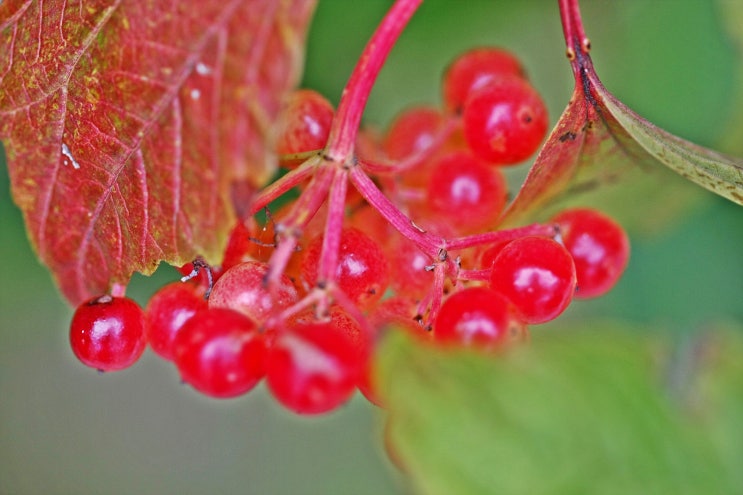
(220,353)
(478,317)
(537,275)
(243,289)
(475,69)
(108,333)
(599,247)
(313,368)
(412,131)
(505,121)
(362,270)
(464,193)
(167,311)
(304,125)
(410,276)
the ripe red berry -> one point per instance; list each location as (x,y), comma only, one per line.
(313,368)
(465,193)
(304,125)
(243,288)
(167,311)
(478,317)
(107,333)
(362,271)
(599,247)
(537,274)
(239,245)
(473,70)
(409,275)
(412,131)
(505,121)
(220,353)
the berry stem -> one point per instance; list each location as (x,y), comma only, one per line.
(282,185)
(118,290)
(545,230)
(416,158)
(482,275)
(572,28)
(426,242)
(353,100)
(332,238)
(289,230)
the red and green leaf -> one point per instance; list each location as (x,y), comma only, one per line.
(599,141)
(135,130)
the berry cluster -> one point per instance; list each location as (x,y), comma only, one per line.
(415,244)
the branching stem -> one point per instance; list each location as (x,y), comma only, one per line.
(348,117)
(572,28)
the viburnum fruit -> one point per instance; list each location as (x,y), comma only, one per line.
(362,270)
(474,69)
(313,367)
(243,288)
(537,274)
(505,121)
(599,247)
(167,311)
(107,333)
(478,317)
(412,131)
(220,353)
(304,125)
(464,193)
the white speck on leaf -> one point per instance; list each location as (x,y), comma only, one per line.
(203,69)
(68,154)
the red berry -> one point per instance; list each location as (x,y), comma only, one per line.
(167,311)
(313,368)
(243,288)
(362,272)
(304,125)
(238,247)
(478,317)
(412,131)
(537,274)
(505,121)
(465,193)
(220,353)
(409,275)
(599,247)
(107,333)
(473,70)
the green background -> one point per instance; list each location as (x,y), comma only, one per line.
(66,429)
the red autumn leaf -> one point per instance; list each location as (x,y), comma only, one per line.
(598,141)
(128,125)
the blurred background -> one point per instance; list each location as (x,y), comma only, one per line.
(65,429)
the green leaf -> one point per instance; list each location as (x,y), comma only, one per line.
(710,169)
(575,412)
(598,142)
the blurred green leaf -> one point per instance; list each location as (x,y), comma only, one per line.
(600,411)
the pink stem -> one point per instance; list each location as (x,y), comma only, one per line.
(416,158)
(572,28)
(291,179)
(333,227)
(428,243)
(348,117)
(481,275)
(437,292)
(289,230)
(546,230)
